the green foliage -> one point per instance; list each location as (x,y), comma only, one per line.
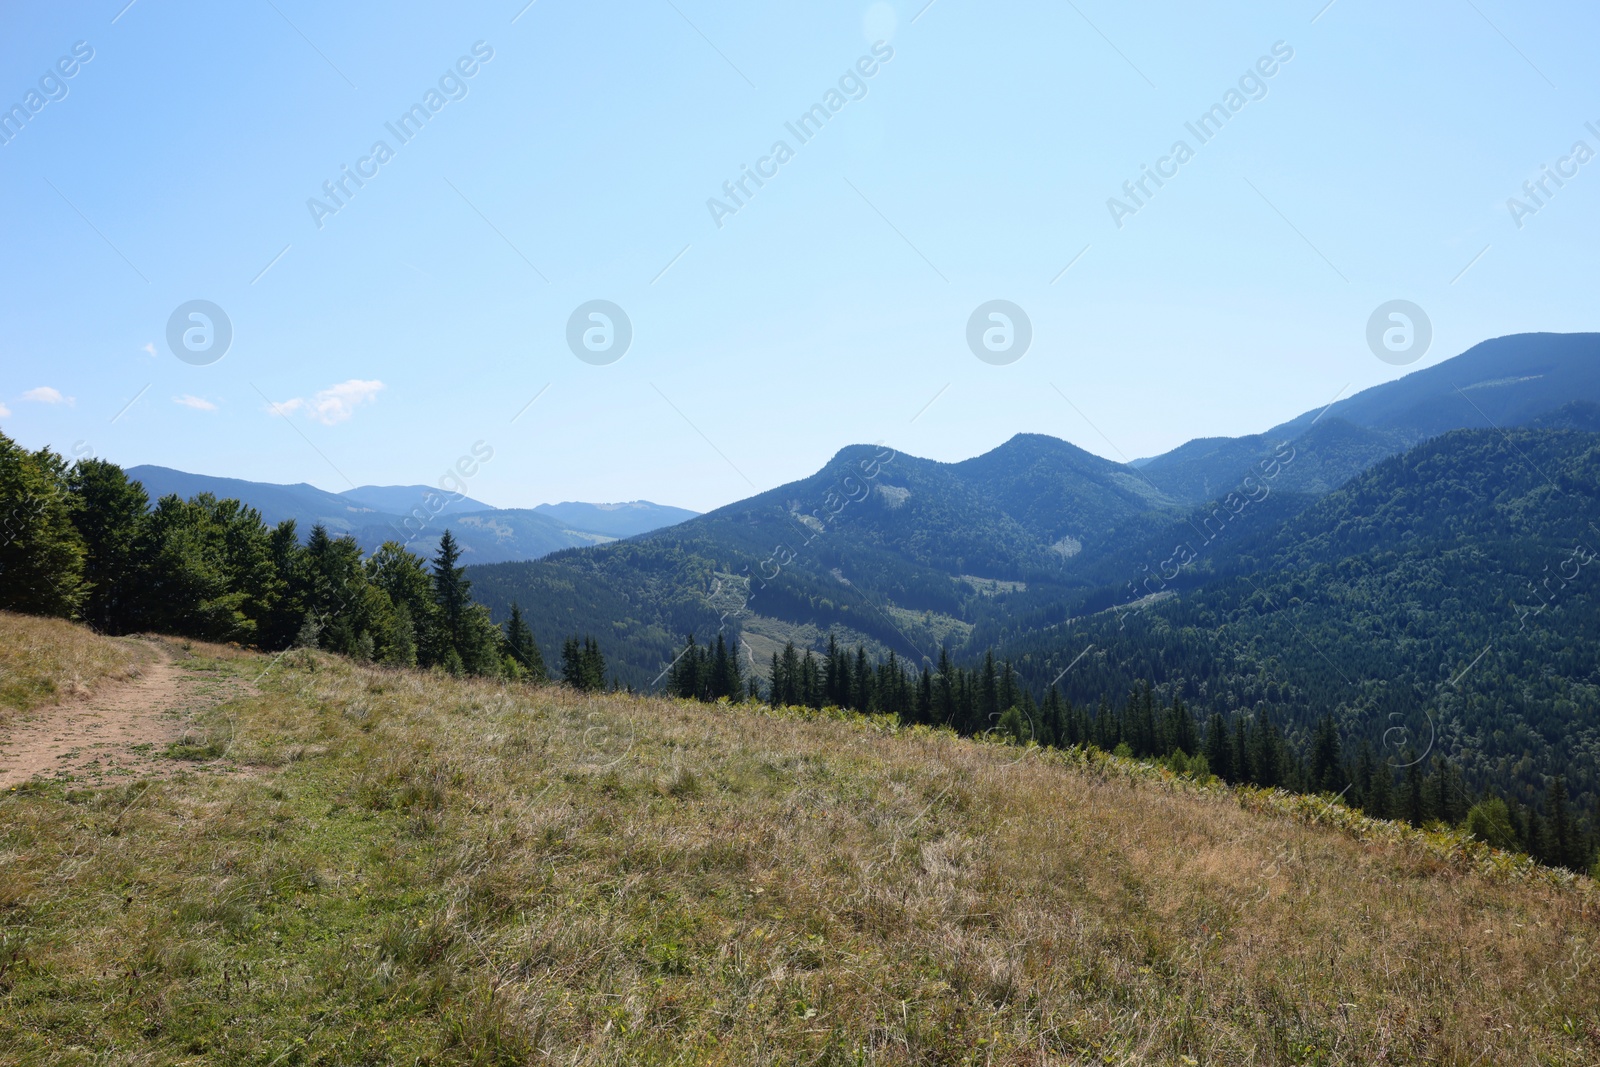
(522,650)
(83,541)
(1489,821)
(582,665)
(41,552)
(110,513)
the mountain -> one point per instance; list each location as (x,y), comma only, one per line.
(892,550)
(909,555)
(1504,382)
(616,520)
(404,499)
(1447,601)
(417,515)
(305,504)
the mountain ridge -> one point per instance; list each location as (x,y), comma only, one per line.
(486,534)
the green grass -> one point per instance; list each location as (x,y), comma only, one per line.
(410,869)
(43,661)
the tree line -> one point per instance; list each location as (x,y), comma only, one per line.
(82,541)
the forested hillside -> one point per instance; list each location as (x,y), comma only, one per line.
(1446,603)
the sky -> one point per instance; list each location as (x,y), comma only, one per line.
(573,153)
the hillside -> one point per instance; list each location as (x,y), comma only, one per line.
(1504,382)
(1446,600)
(386,866)
(44,661)
(890,549)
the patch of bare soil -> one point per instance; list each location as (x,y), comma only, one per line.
(118,733)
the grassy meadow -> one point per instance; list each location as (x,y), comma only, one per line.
(394,867)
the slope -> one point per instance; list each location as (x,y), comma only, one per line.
(1504,382)
(1447,601)
(417,869)
(898,552)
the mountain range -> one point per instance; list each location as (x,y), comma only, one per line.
(1345,562)
(417,515)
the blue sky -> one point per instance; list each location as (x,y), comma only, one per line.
(577,164)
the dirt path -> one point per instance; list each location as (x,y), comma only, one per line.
(121,732)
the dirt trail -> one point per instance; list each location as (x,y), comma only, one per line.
(120,732)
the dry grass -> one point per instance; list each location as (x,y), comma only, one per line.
(44,661)
(429,871)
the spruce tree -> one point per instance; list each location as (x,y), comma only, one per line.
(944,705)
(988,696)
(1219,753)
(862,698)
(1416,800)
(523,648)
(1561,843)
(1326,773)
(1379,802)
(451,592)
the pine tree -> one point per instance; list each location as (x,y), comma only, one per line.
(1326,773)
(1379,802)
(1416,799)
(451,592)
(1562,841)
(1219,753)
(523,648)
(944,705)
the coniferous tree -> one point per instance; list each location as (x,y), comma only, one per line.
(1416,800)
(451,593)
(862,699)
(988,695)
(1326,773)
(1218,750)
(1379,802)
(523,649)
(1561,842)
(945,695)
(726,680)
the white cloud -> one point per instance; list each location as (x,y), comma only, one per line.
(149,348)
(46,395)
(5,412)
(199,403)
(332,405)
